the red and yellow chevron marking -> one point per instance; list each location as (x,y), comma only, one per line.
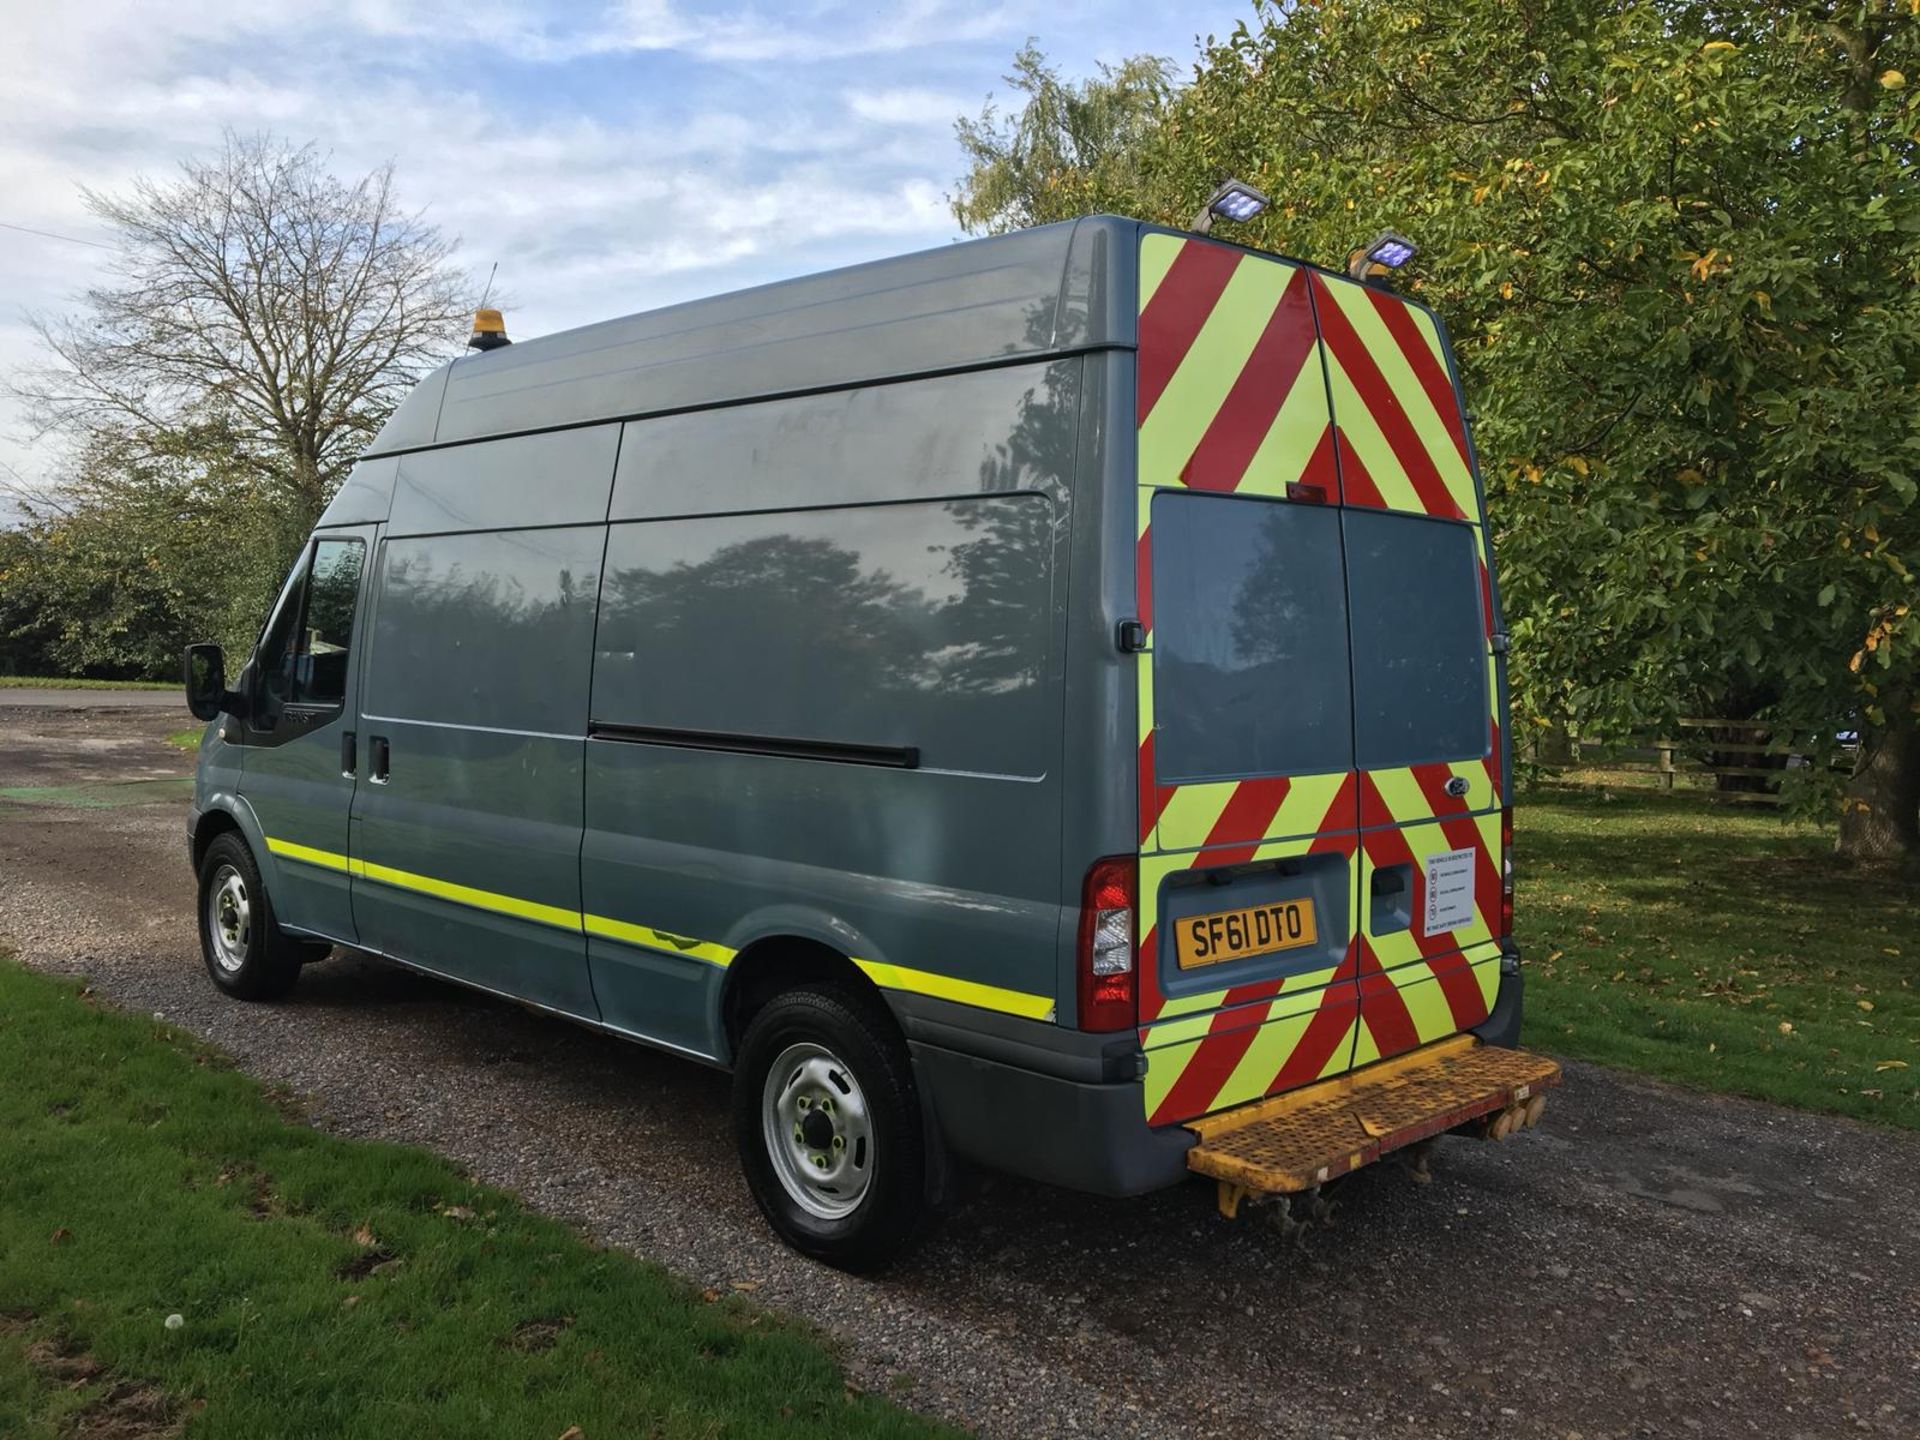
(1402,439)
(1410,1005)
(1231,392)
(1211,1049)
(1416,987)
(1328,831)
(1245,366)
(1231,398)
(1233,1056)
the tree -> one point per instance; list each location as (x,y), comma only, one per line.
(1677,245)
(1071,149)
(259,301)
(141,554)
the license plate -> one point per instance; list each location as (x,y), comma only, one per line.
(1237,934)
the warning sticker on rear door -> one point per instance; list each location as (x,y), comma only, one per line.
(1449,891)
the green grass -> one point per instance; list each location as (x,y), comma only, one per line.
(1719,947)
(188,740)
(58,682)
(327,1286)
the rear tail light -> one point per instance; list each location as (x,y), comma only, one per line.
(1109,995)
(1506,873)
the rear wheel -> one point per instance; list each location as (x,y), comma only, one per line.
(245,952)
(827,1120)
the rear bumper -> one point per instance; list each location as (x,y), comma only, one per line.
(1040,1100)
(1092,1137)
(1068,1108)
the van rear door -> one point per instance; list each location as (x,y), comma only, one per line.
(1248,803)
(1428,698)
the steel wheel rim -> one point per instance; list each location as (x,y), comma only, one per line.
(818,1131)
(229,918)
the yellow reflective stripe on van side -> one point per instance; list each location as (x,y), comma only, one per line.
(307,854)
(890,977)
(428,885)
(965,992)
(631,934)
(469,895)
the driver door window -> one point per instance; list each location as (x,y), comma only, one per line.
(303,656)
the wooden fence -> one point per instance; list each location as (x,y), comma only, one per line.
(1747,753)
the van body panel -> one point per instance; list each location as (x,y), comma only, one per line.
(960,307)
(1099,807)
(924,626)
(922,629)
(415,421)
(872,578)
(901,871)
(996,431)
(1232,408)
(1429,963)
(468,850)
(487,487)
(364,497)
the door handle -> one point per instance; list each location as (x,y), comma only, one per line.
(382,756)
(1390,905)
(349,754)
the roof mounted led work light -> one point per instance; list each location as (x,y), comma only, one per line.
(1234,200)
(1381,256)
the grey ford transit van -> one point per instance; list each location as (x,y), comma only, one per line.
(1040,700)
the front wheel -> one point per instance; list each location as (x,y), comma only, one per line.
(245,952)
(827,1121)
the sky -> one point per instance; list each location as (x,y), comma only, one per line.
(610,157)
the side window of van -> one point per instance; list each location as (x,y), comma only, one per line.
(320,672)
(273,660)
(303,655)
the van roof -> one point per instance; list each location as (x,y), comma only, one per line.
(1027,294)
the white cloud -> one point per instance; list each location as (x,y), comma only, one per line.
(906,105)
(611,157)
(830,32)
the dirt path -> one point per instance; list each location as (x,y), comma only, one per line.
(55,698)
(1649,1263)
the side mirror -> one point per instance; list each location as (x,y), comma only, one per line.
(206,677)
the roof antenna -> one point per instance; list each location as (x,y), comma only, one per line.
(489,330)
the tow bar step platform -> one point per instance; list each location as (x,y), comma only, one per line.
(1296,1142)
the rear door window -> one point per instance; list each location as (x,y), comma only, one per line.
(1419,640)
(1250,673)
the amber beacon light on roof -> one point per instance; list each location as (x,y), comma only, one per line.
(489,331)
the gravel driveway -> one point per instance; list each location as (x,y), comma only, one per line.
(1650,1262)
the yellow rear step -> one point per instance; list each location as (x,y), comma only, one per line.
(1294,1142)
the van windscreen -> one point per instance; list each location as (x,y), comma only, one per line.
(1250,639)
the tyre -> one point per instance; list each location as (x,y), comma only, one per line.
(828,1123)
(245,952)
